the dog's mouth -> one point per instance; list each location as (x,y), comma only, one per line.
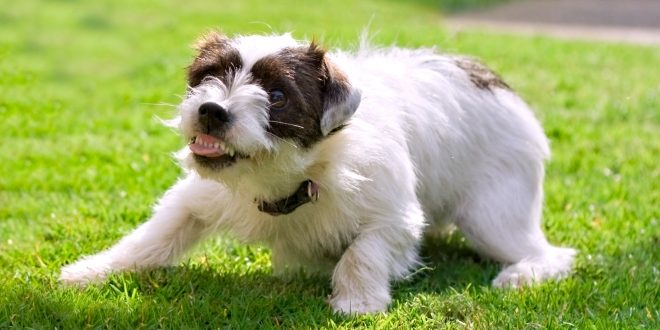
(213,152)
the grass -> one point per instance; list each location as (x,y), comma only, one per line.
(83,160)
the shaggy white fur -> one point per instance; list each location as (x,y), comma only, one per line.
(426,146)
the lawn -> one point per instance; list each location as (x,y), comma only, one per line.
(83,158)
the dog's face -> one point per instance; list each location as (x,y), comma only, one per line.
(251,97)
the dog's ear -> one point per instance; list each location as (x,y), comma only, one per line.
(340,98)
(209,41)
(215,56)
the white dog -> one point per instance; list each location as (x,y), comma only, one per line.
(340,162)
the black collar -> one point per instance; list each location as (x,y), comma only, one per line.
(307,192)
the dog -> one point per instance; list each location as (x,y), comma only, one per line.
(341,163)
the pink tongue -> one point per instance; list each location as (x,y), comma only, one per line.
(199,148)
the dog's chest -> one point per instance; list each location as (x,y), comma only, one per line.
(315,231)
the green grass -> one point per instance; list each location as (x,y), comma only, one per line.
(82,159)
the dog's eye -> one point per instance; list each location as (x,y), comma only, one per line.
(277,99)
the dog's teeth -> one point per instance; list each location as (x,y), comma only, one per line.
(216,145)
(231,152)
(223,146)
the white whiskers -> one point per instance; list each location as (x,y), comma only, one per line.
(283,123)
(282,139)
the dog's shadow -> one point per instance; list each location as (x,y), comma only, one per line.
(449,263)
(214,295)
(256,298)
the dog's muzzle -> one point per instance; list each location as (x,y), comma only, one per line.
(208,147)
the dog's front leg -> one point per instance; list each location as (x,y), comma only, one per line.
(172,229)
(361,279)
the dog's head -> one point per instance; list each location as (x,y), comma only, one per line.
(250,98)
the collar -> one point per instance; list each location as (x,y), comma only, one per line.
(308,191)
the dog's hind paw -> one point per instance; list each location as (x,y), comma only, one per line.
(555,265)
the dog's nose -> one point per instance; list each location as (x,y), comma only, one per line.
(211,112)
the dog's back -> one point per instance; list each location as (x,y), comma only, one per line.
(457,119)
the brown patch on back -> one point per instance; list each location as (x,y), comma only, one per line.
(299,73)
(216,57)
(480,75)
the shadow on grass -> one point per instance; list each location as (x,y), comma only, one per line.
(455,264)
(453,286)
(177,297)
(200,296)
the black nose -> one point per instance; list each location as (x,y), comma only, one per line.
(213,118)
(213,113)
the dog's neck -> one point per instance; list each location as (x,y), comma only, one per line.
(308,191)
(278,185)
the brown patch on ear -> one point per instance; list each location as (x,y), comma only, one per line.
(334,82)
(215,57)
(340,98)
(480,75)
(209,39)
(316,53)
(336,85)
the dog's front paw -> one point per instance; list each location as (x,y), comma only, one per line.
(85,271)
(356,305)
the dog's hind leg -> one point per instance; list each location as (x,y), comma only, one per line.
(159,241)
(501,217)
